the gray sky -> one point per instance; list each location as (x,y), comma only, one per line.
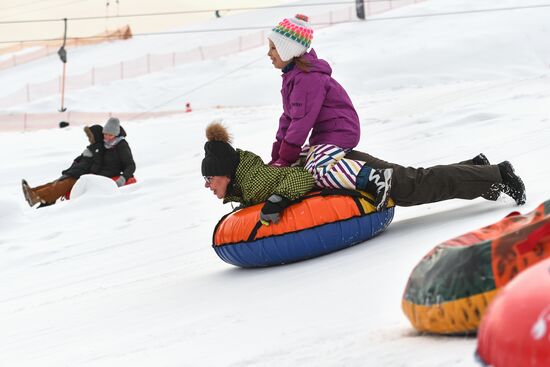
(58,9)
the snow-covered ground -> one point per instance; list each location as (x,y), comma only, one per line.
(128,278)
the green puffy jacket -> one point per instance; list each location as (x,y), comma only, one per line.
(255,181)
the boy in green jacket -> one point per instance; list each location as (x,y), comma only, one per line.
(241,176)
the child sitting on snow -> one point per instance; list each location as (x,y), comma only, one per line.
(48,194)
(107,155)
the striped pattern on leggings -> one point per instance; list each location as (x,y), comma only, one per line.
(329,167)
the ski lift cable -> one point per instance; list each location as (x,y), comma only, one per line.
(185,12)
(210,30)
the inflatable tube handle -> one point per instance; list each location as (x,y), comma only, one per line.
(334,192)
(346,192)
(531,242)
(512,214)
(254,231)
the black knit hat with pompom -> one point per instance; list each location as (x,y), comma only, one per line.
(220,158)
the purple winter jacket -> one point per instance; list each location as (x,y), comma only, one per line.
(313,101)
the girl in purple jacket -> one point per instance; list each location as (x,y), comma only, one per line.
(314,103)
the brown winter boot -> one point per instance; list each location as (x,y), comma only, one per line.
(31,197)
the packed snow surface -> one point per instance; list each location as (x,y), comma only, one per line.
(127,277)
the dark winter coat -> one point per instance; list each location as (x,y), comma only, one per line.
(254,181)
(118,160)
(314,102)
(91,158)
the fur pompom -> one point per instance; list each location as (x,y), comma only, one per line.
(89,134)
(217,132)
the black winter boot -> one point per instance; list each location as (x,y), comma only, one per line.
(376,182)
(511,185)
(481,160)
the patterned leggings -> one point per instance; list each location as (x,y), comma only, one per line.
(329,167)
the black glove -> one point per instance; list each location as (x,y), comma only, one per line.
(271,211)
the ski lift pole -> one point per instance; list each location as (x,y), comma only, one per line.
(63,108)
(63,56)
(360,8)
(107,4)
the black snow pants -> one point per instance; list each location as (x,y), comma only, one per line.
(415,186)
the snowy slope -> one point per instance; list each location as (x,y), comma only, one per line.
(129,278)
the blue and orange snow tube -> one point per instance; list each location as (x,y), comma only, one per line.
(317,224)
(449,290)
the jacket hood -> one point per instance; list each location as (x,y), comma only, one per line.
(94,133)
(317,65)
